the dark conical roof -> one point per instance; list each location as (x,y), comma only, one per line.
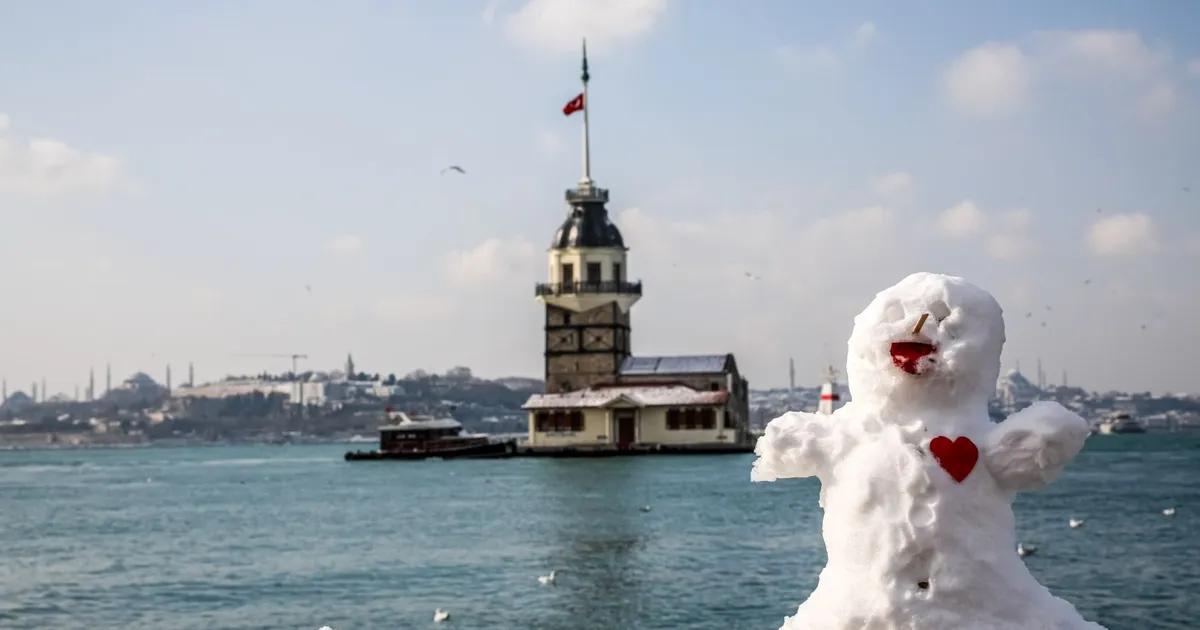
(587,223)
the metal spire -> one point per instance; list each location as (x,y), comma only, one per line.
(587,105)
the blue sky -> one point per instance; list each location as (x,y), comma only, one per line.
(211,160)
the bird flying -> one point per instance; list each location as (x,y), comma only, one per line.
(453,167)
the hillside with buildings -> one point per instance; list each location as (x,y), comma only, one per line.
(341,404)
(1014,391)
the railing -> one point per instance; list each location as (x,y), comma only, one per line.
(573,288)
(583,195)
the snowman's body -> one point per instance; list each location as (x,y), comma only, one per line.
(909,546)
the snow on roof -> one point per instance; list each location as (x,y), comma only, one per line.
(637,396)
(419,423)
(698,364)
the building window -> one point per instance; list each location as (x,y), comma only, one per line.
(593,273)
(716,387)
(568,273)
(566,318)
(616,272)
(558,421)
(692,419)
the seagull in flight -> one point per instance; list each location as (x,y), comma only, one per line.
(752,276)
(453,167)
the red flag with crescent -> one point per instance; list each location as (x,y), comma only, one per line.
(575,105)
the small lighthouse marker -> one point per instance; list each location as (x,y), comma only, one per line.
(829,395)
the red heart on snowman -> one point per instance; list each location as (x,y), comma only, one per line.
(957,458)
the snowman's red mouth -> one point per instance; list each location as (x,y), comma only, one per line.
(914,357)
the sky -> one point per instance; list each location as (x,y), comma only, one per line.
(198,182)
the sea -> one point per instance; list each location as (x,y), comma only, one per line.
(294,537)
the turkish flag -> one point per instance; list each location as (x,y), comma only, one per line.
(575,105)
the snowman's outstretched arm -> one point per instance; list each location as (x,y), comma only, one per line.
(1029,449)
(795,444)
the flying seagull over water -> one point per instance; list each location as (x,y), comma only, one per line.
(453,167)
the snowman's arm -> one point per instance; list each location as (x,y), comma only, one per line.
(795,444)
(1030,449)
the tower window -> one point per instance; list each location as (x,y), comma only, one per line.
(616,272)
(568,273)
(593,273)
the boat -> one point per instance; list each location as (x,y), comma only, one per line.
(1120,422)
(416,437)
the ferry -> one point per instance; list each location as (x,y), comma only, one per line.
(414,437)
(1120,422)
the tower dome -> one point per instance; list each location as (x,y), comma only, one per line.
(587,225)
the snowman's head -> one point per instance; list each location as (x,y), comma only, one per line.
(952,357)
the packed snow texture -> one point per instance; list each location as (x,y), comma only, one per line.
(909,546)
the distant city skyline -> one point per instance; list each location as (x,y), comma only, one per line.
(206,182)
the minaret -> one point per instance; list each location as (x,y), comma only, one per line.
(168,378)
(3,391)
(829,394)
(45,392)
(76,393)
(91,391)
(33,392)
(791,381)
(107,378)
(349,367)
(191,375)
(587,295)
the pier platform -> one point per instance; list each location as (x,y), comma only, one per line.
(511,449)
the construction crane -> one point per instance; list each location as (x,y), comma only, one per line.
(295,371)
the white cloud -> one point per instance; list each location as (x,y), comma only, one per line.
(1123,235)
(989,81)
(46,168)
(1158,100)
(962,220)
(1018,219)
(827,58)
(821,58)
(1008,245)
(1193,67)
(345,244)
(999,79)
(205,298)
(558,26)
(414,310)
(492,260)
(893,185)
(1192,244)
(548,142)
(865,34)
(489,12)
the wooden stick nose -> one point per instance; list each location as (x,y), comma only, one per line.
(920,324)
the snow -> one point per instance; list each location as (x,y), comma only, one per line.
(636,395)
(908,546)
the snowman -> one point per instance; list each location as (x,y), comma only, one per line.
(917,483)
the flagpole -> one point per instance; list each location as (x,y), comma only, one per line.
(587,148)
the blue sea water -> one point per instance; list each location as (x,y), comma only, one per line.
(293,537)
